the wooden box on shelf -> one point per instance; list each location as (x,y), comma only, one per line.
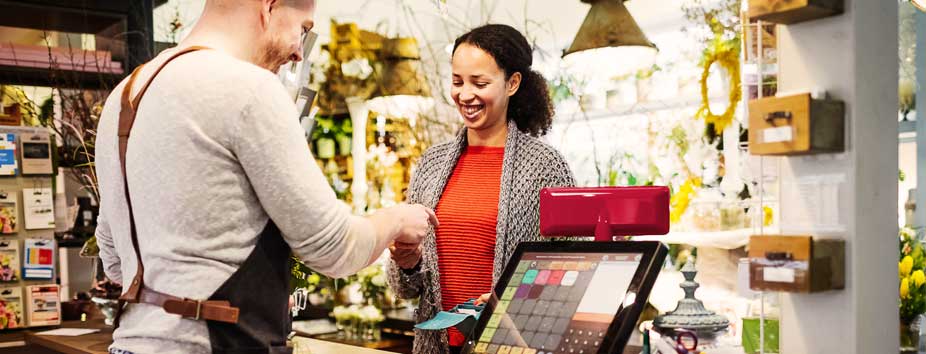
(796,125)
(798,264)
(788,12)
(11,115)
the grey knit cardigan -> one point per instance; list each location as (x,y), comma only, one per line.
(528,165)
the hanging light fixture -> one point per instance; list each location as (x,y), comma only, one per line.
(404,88)
(610,39)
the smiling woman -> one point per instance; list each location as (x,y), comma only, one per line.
(493,82)
(485,184)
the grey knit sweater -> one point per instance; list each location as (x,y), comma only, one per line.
(528,166)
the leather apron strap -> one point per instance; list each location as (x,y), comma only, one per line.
(137,292)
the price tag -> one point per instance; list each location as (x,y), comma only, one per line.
(777,135)
(778,275)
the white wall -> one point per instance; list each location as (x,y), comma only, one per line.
(852,57)
(552,24)
(907,160)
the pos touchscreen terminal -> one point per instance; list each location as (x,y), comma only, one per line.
(577,297)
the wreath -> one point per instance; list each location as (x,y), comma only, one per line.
(726,54)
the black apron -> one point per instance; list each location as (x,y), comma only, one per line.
(249,312)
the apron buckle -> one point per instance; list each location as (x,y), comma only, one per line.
(199,308)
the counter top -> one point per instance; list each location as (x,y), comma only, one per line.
(98,343)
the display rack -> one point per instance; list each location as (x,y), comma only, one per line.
(120,34)
(13,186)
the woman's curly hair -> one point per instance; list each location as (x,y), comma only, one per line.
(530,107)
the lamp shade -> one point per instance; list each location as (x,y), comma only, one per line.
(920,4)
(404,88)
(610,36)
(402,72)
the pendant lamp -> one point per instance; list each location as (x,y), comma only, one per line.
(610,39)
(403,85)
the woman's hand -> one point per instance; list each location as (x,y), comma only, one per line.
(483,299)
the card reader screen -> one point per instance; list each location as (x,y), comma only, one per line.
(559,303)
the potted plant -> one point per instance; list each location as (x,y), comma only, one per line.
(324,137)
(912,288)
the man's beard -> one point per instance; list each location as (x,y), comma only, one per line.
(272,56)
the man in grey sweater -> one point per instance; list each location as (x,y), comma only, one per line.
(219,173)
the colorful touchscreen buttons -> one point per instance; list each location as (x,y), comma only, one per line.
(494,321)
(517,350)
(523,291)
(502,307)
(569,278)
(504,349)
(509,293)
(487,335)
(542,277)
(481,347)
(556,277)
(535,292)
(530,276)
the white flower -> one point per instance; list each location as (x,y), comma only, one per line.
(324,60)
(359,68)
(381,156)
(907,233)
(353,311)
(339,313)
(369,271)
(390,159)
(319,67)
(379,280)
(319,77)
(371,314)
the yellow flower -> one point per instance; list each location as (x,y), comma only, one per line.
(682,197)
(904,288)
(918,278)
(767,216)
(906,265)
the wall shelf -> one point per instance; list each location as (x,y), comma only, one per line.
(730,239)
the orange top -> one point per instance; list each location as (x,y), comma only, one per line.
(468,213)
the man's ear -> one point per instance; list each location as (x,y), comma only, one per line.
(266,10)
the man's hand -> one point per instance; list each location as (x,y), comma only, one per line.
(415,221)
(406,256)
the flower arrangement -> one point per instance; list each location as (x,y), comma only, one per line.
(358,68)
(725,53)
(912,278)
(320,288)
(372,281)
(359,322)
(346,67)
(332,137)
(381,164)
(682,198)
